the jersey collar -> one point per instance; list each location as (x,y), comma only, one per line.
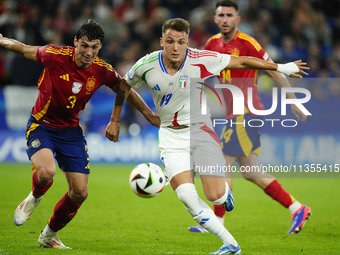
(161,63)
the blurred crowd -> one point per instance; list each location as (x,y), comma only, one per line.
(287,29)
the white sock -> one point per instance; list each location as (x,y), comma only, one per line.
(213,225)
(202,213)
(48,231)
(294,207)
(221,219)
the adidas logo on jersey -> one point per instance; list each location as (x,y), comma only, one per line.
(156,88)
(65,77)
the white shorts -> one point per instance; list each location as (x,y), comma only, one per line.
(195,148)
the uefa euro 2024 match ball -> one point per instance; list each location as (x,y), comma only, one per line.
(147,180)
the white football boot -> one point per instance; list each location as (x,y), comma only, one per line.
(25,209)
(49,239)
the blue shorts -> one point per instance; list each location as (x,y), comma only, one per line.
(67,144)
(240,139)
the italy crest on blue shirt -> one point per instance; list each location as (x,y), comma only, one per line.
(183,81)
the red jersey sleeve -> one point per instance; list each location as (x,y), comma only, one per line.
(255,49)
(49,55)
(112,78)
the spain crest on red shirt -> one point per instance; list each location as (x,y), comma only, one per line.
(91,82)
(235,52)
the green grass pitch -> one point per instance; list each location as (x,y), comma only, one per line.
(114,220)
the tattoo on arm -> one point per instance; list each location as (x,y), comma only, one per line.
(120,97)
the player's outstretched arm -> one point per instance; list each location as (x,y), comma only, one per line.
(137,102)
(18,47)
(112,129)
(292,69)
(283,82)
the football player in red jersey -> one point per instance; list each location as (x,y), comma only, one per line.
(242,143)
(68,81)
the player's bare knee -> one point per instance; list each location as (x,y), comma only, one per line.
(247,175)
(219,196)
(78,195)
(216,195)
(46,174)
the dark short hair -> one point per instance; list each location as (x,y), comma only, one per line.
(92,30)
(227,3)
(176,24)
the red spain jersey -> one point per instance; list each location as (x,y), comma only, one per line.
(241,45)
(64,88)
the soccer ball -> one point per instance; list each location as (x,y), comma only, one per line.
(147,180)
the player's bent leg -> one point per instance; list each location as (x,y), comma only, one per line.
(68,205)
(44,163)
(252,171)
(65,210)
(219,212)
(230,246)
(300,213)
(227,200)
(43,160)
(219,209)
(202,213)
(178,180)
(217,192)
(77,183)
